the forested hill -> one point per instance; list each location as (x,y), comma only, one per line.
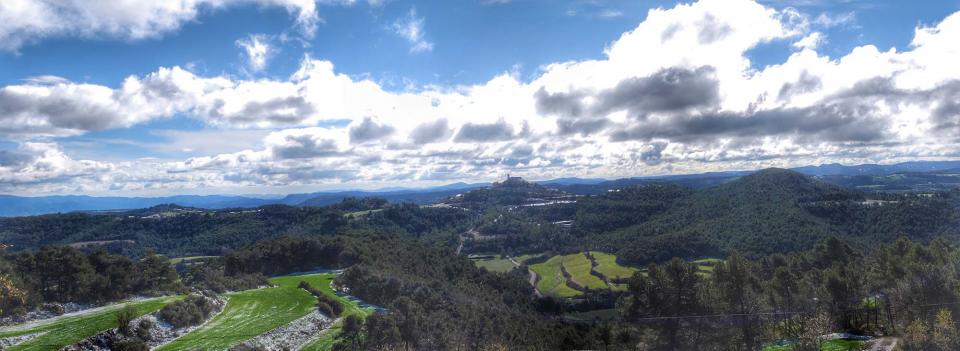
(770,211)
(773,211)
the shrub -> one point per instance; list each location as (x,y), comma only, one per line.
(143,329)
(325,309)
(188,312)
(54,308)
(326,304)
(124,317)
(131,344)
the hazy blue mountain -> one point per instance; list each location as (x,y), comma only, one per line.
(834,173)
(22,206)
(833,169)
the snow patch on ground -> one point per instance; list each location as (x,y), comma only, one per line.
(49,320)
(45,312)
(293,335)
(14,340)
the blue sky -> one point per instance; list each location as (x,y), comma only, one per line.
(357,91)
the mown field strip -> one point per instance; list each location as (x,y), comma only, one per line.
(253,312)
(607,265)
(70,329)
(551,280)
(579,266)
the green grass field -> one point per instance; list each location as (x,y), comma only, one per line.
(607,265)
(579,266)
(552,281)
(253,312)
(498,264)
(70,329)
(705,266)
(351,306)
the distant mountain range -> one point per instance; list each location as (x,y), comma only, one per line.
(851,176)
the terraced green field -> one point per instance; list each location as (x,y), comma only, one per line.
(253,312)
(705,266)
(70,329)
(607,265)
(552,281)
(579,266)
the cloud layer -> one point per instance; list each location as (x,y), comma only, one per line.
(697,105)
(25,21)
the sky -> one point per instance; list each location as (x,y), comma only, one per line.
(161,97)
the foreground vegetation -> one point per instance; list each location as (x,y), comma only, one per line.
(253,312)
(66,330)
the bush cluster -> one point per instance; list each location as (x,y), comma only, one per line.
(188,312)
(326,304)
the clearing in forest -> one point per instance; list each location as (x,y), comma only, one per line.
(579,267)
(608,266)
(705,266)
(74,327)
(552,282)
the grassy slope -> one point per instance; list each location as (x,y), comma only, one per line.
(327,338)
(253,312)
(68,330)
(579,266)
(607,265)
(499,264)
(552,281)
(705,266)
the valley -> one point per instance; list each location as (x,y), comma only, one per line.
(514,253)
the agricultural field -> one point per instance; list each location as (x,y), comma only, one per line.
(72,328)
(247,314)
(608,266)
(552,282)
(253,312)
(705,266)
(579,267)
